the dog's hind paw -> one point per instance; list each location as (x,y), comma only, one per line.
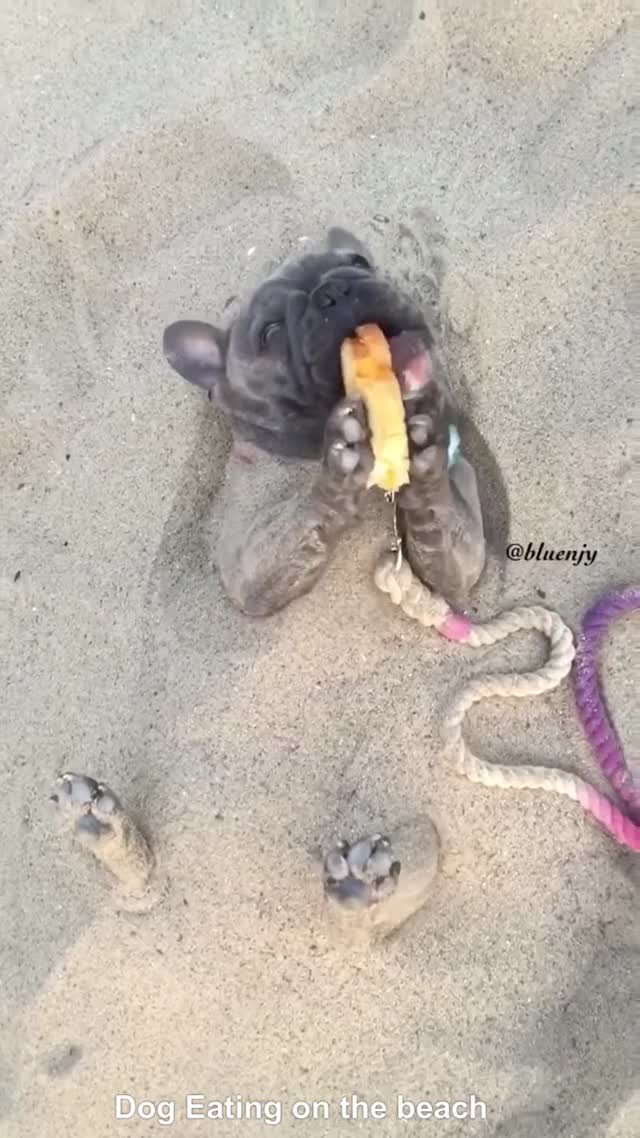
(362,874)
(100,823)
(375,884)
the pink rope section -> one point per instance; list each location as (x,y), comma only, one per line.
(589,701)
(622,828)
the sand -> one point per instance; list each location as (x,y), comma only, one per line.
(156,160)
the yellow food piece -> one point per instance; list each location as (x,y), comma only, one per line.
(367,373)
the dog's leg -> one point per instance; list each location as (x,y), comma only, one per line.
(440,513)
(101,824)
(281,521)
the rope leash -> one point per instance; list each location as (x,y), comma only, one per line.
(596,722)
(395,577)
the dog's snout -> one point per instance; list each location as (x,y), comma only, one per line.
(332,292)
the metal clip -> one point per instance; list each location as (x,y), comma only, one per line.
(396,544)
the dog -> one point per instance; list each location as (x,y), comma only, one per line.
(301,458)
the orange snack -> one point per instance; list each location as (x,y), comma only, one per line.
(367,373)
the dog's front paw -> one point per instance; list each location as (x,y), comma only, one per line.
(428,433)
(347,449)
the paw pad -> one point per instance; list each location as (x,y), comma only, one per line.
(361,874)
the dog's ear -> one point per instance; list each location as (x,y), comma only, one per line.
(196,351)
(342,242)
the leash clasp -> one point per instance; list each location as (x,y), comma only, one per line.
(396,544)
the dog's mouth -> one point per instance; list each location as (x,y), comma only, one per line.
(411,361)
(410,358)
(402,325)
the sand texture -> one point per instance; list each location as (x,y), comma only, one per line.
(157,159)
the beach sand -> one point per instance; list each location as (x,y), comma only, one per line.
(156,160)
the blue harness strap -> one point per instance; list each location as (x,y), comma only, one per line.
(454,445)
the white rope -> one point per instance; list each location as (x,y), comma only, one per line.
(418,602)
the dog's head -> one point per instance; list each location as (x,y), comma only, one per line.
(276,370)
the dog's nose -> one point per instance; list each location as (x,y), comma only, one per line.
(331,293)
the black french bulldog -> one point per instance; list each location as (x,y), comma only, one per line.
(301,458)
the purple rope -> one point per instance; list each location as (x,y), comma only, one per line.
(591,708)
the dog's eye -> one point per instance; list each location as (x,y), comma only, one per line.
(269,331)
(358,261)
